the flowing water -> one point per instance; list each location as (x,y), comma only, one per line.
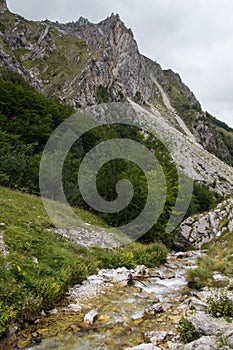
(121,321)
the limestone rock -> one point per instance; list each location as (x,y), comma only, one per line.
(90,317)
(3,6)
(204,343)
(201,229)
(144,347)
(156,337)
(73,308)
(206,325)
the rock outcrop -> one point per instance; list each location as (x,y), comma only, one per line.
(198,230)
(84,64)
(3,6)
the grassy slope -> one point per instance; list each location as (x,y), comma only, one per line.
(26,286)
(219,259)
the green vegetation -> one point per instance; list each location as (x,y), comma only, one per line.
(119,169)
(41,265)
(103,94)
(185,108)
(2,27)
(134,254)
(218,259)
(203,199)
(218,306)
(27,119)
(186,331)
(221,306)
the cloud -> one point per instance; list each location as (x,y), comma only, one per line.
(194,38)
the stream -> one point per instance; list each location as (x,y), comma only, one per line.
(125,312)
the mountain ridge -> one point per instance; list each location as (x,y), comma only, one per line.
(84,64)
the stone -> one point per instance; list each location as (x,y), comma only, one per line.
(230,225)
(175,346)
(34,334)
(197,304)
(141,270)
(3,248)
(204,343)
(158,336)
(220,278)
(201,229)
(206,325)
(144,347)
(53,311)
(230,341)
(90,317)
(35,260)
(73,308)
(3,7)
(154,309)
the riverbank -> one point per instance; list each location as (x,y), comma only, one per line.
(122,314)
(38,265)
(156,310)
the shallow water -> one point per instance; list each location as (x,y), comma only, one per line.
(120,323)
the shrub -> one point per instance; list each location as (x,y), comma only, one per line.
(221,306)
(198,278)
(186,330)
(134,254)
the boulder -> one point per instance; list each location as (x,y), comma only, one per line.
(155,337)
(204,343)
(206,325)
(73,308)
(90,317)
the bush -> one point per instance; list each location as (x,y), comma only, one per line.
(186,330)
(134,254)
(221,307)
(199,277)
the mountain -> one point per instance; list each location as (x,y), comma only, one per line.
(83,64)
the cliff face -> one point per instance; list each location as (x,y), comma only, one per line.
(82,64)
(3,6)
(200,229)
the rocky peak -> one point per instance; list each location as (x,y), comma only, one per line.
(81,22)
(114,28)
(3,6)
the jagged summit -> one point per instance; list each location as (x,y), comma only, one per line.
(83,64)
(112,17)
(3,6)
(82,21)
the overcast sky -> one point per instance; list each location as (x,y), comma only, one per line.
(193,37)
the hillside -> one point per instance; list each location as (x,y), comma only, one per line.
(98,67)
(82,64)
(38,265)
(49,71)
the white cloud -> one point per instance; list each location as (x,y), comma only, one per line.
(194,38)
